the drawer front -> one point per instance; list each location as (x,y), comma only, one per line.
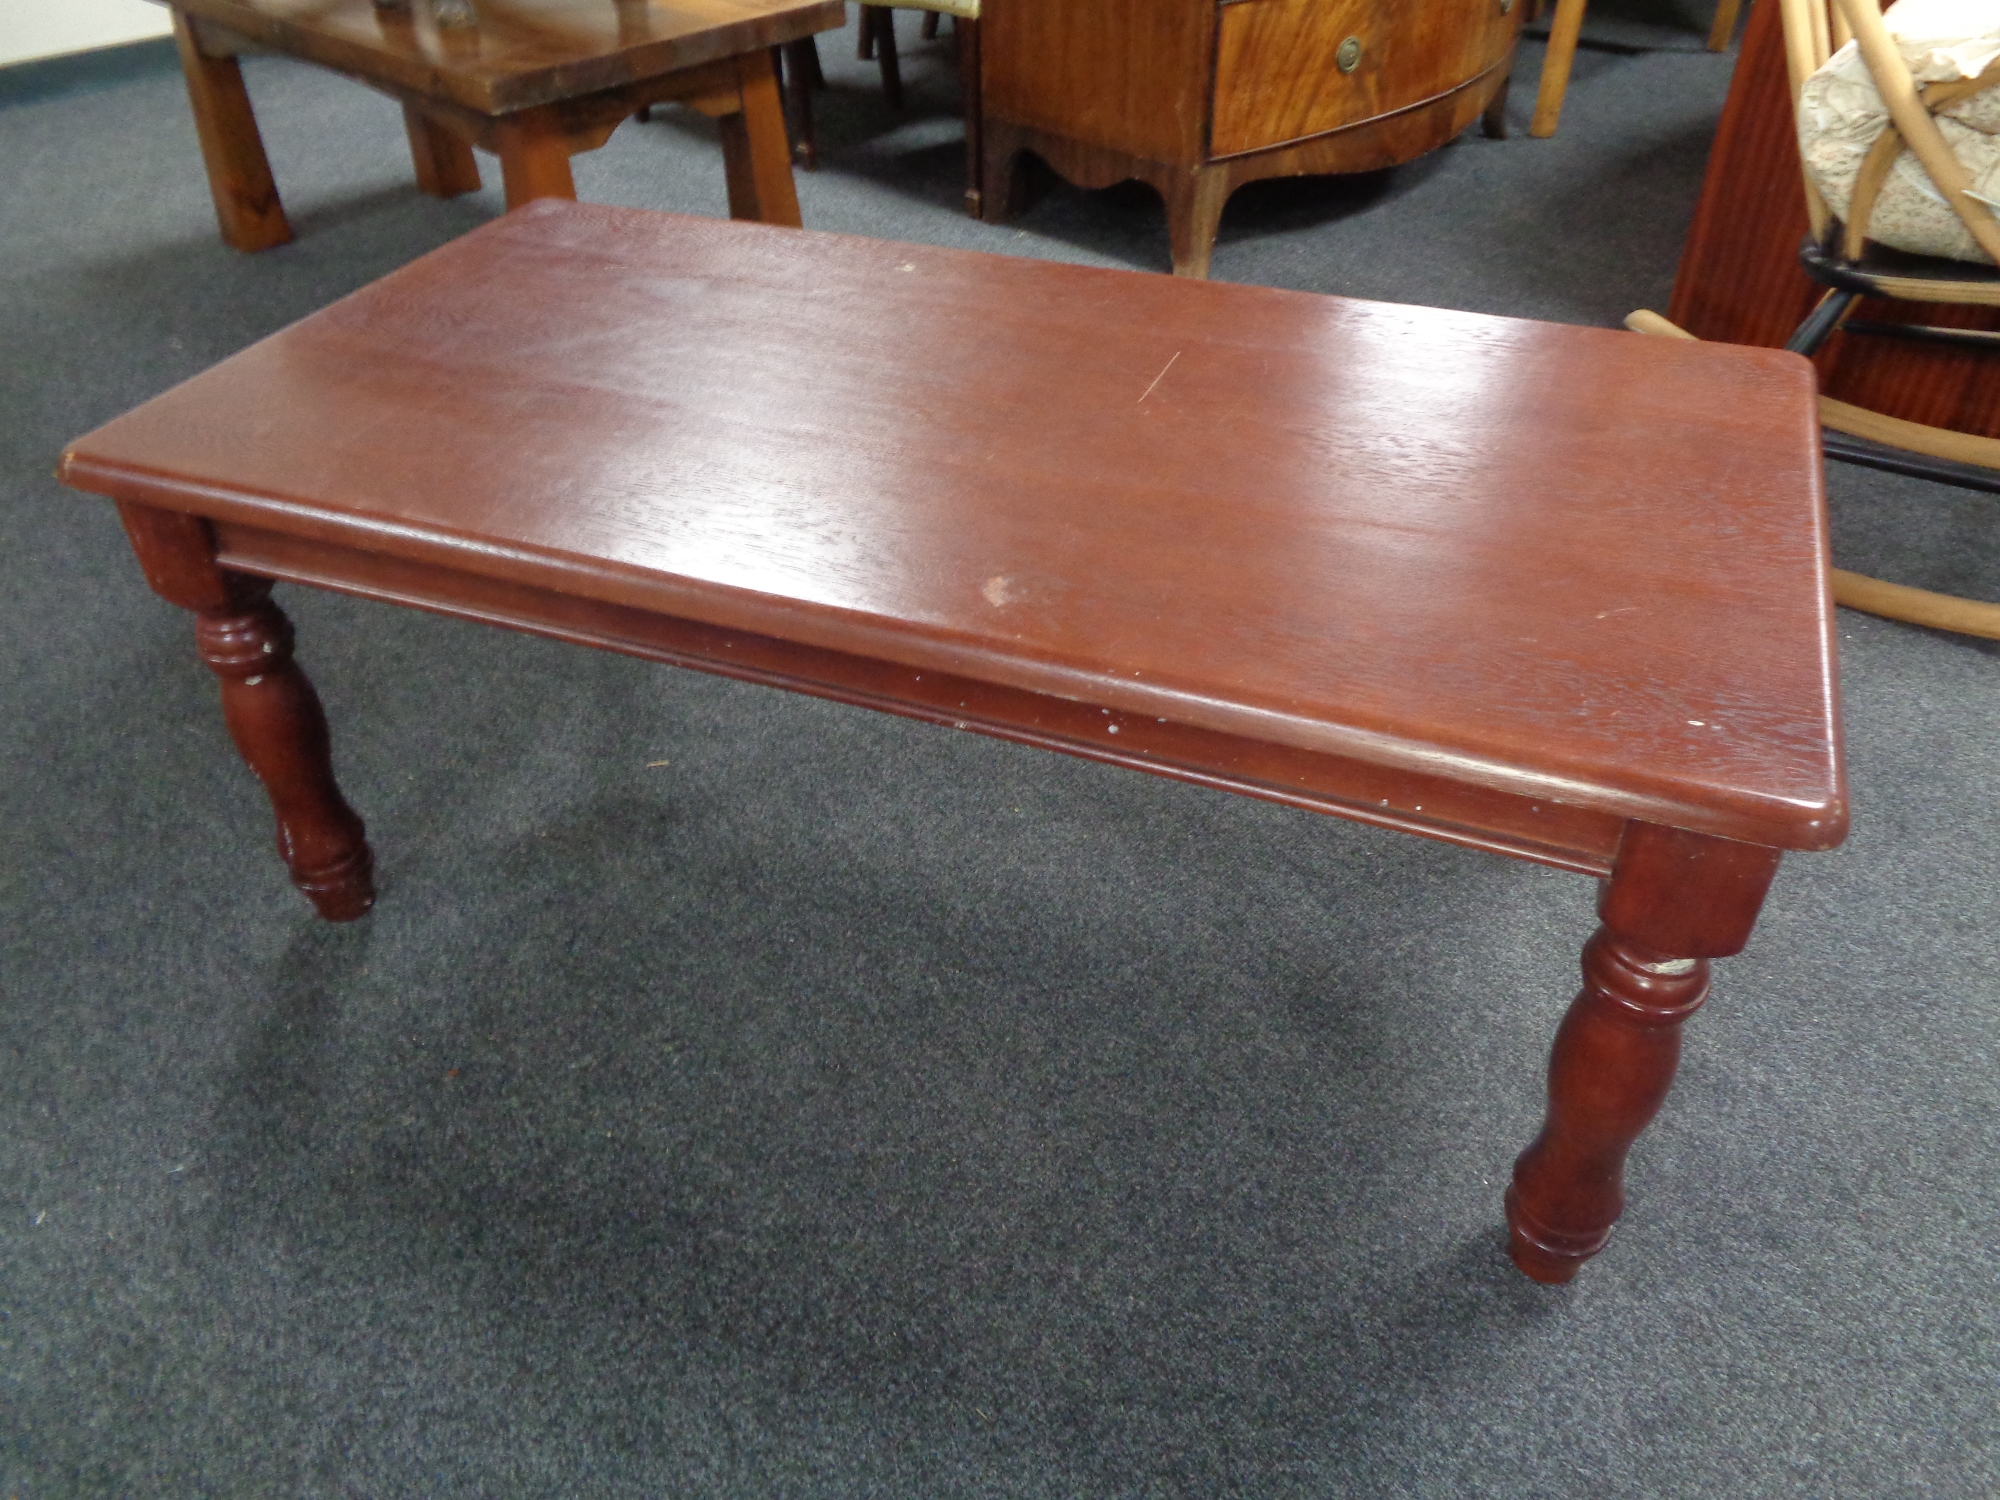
(1278,63)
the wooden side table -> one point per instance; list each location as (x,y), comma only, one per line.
(1198,97)
(1296,547)
(533,81)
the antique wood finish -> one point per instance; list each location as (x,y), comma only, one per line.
(1273,85)
(1739,280)
(1122,75)
(534,82)
(1291,546)
(1198,97)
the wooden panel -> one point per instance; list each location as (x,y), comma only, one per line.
(1276,79)
(1125,75)
(1324,525)
(1739,280)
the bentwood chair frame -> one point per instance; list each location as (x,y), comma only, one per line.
(1839,256)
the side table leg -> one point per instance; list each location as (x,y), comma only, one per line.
(1674,901)
(273,714)
(534,163)
(444,163)
(232,150)
(756,154)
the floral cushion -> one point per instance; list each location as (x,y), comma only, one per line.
(1841,113)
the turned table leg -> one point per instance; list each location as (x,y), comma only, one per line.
(273,714)
(1674,901)
(232,149)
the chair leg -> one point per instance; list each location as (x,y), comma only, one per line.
(966,35)
(1493,119)
(801,61)
(1820,322)
(1725,25)
(1556,63)
(928,31)
(864,33)
(885,53)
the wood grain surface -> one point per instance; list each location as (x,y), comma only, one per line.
(1328,526)
(1277,80)
(522,52)
(1123,75)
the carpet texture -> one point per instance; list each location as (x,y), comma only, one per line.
(739,1094)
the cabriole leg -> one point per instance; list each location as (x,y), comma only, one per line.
(1674,901)
(273,714)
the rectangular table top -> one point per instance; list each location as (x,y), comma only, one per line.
(1564,563)
(522,52)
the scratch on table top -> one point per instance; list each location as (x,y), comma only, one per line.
(1157,378)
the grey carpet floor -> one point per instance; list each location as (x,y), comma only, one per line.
(737,1094)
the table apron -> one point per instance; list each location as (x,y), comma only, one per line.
(1546,832)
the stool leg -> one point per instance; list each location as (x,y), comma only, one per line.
(755,152)
(232,149)
(444,163)
(273,714)
(1556,63)
(1674,901)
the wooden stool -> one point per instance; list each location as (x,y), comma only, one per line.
(534,83)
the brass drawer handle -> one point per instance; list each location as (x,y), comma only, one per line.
(1348,58)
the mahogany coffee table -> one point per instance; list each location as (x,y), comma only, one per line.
(1303,548)
(533,81)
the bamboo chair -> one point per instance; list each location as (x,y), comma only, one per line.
(1564,31)
(1840,257)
